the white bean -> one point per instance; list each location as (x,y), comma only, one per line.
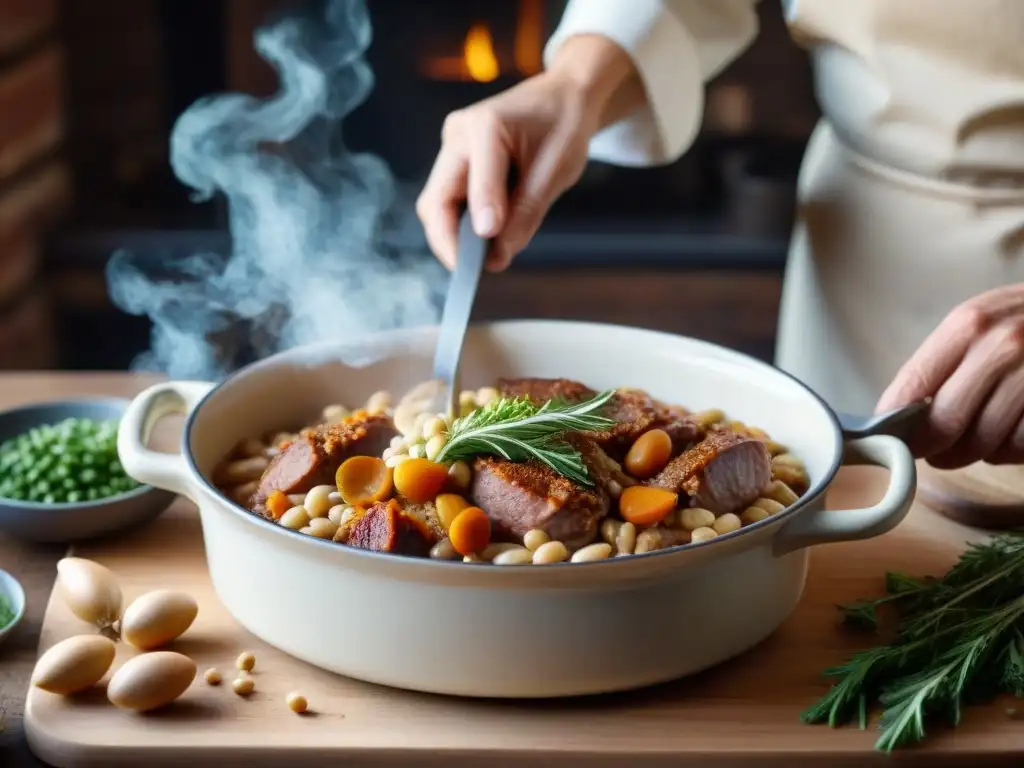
(295,518)
(417,451)
(394,461)
(693,518)
(335,414)
(592,553)
(771,506)
(787,460)
(443,550)
(433,447)
(610,529)
(433,427)
(703,534)
(517,556)
(321,527)
(335,498)
(317,503)
(727,523)
(461,474)
(398,443)
(493,550)
(625,541)
(379,402)
(240,471)
(614,489)
(753,515)
(535,539)
(782,493)
(335,513)
(647,541)
(550,552)
(296,499)
(486,395)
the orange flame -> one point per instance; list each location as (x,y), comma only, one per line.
(481,61)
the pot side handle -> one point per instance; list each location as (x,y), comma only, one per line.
(831,525)
(161,470)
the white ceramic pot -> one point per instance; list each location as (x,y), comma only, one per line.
(511,631)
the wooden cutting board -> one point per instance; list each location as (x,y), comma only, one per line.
(743,713)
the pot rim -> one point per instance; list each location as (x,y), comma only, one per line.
(398,562)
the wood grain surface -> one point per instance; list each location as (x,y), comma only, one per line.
(33,565)
(742,713)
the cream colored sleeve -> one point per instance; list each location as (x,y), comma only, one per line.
(677,46)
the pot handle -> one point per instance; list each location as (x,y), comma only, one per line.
(161,470)
(830,525)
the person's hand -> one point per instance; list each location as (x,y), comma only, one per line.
(540,126)
(543,126)
(972,365)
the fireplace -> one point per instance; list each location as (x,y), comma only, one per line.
(434,57)
(707,232)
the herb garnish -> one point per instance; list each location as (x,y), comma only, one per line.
(518,430)
(959,638)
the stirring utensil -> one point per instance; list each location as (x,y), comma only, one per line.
(457,308)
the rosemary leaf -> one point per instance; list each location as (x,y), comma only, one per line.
(960,639)
(518,430)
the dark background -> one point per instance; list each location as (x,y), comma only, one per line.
(89,90)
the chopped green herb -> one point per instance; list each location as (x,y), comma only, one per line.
(75,460)
(6,612)
(958,639)
(518,430)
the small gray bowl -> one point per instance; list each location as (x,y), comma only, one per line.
(65,523)
(13,593)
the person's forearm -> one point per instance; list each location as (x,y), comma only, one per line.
(605,74)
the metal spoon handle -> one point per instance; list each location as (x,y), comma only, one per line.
(897,423)
(457,309)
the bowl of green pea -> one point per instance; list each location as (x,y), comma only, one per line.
(60,476)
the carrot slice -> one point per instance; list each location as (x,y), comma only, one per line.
(278,503)
(448,507)
(363,480)
(470,531)
(420,480)
(644,505)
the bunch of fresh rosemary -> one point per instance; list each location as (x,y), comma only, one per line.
(958,639)
(519,430)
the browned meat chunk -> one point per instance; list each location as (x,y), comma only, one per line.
(637,412)
(723,473)
(385,527)
(426,513)
(541,390)
(520,497)
(634,411)
(315,456)
(602,468)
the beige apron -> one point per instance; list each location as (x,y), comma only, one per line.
(911,196)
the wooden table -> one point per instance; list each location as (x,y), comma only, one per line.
(35,568)
(34,565)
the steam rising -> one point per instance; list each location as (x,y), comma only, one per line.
(314,227)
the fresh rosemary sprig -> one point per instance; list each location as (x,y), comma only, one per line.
(518,430)
(959,638)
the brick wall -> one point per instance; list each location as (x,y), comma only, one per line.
(35,188)
(117,126)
